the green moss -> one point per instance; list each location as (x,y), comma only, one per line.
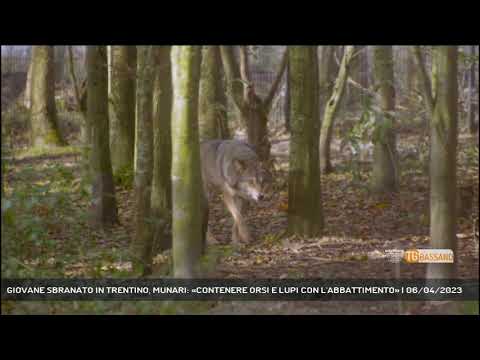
(124,177)
(47,151)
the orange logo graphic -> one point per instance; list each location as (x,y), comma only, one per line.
(411,256)
(428,256)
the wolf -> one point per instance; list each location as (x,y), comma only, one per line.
(233,167)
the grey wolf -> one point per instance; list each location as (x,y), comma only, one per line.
(233,167)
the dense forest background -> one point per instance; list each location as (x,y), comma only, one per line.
(368,148)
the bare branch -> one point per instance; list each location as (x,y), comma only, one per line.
(369,92)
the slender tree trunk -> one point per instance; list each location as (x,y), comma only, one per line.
(142,245)
(287,99)
(331,109)
(473,125)
(27,102)
(59,64)
(385,168)
(162,148)
(222,113)
(212,101)
(305,215)
(44,122)
(411,75)
(327,74)
(104,206)
(424,80)
(443,161)
(85,127)
(434,72)
(186,174)
(122,109)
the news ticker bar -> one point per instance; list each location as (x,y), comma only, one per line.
(239,289)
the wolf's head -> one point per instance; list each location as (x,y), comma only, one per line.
(250,179)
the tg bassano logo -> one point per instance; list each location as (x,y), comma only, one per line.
(428,256)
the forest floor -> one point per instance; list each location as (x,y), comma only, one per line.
(48,234)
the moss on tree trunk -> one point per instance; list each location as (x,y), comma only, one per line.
(44,122)
(443,132)
(186,175)
(104,206)
(122,108)
(305,215)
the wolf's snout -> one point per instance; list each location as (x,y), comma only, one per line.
(257,196)
(254,194)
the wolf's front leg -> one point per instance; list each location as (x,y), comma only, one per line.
(240,231)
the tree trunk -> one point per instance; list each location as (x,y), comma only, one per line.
(222,113)
(256,119)
(434,72)
(59,64)
(86,132)
(253,110)
(27,102)
(424,80)
(472,124)
(305,215)
(287,99)
(85,127)
(186,174)
(104,206)
(331,109)
(327,73)
(443,161)
(411,75)
(212,102)
(385,168)
(44,122)
(142,245)
(162,148)
(254,114)
(122,114)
